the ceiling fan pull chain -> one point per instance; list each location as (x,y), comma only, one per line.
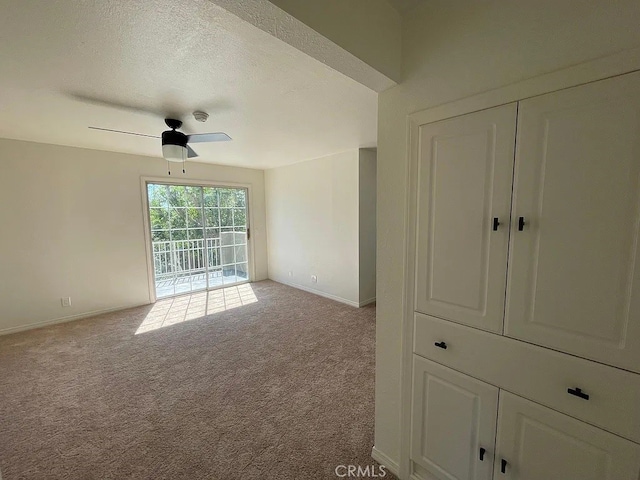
(169,167)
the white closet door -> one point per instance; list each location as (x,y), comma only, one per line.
(538,443)
(574,279)
(453,417)
(466,167)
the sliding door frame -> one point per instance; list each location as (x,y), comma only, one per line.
(145,181)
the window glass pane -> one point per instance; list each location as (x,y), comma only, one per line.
(197,233)
(210,197)
(194,217)
(241,254)
(227,255)
(239,217)
(215,277)
(229,274)
(227,197)
(177,218)
(242,271)
(215,258)
(240,238)
(158,195)
(160,235)
(213,233)
(179,235)
(226,217)
(226,239)
(177,196)
(211,217)
(241,198)
(159,218)
(196,256)
(192,196)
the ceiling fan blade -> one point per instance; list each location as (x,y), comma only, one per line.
(208,137)
(191,153)
(126,133)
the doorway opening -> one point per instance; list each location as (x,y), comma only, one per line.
(199,237)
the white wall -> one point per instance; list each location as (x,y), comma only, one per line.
(312,224)
(452,50)
(367,220)
(72,225)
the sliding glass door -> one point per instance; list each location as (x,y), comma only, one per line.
(199,237)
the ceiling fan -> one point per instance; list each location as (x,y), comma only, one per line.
(176,145)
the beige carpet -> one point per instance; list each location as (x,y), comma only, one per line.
(260,382)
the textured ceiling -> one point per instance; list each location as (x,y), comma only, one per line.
(279,105)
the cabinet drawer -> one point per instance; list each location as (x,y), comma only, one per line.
(536,373)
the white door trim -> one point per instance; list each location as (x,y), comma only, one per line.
(614,65)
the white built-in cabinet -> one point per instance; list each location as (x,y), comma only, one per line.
(461,431)
(454,417)
(465,176)
(574,266)
(535,442)
(556,231)
(527,225)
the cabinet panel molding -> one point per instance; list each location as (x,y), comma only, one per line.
(538,443)
(465,173)
(574,273)
(454,416)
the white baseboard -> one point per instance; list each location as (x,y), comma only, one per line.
(384,459)
(367,302)
(70,318)
(326,295)
(318,292)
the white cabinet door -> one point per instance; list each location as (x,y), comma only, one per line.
(574,278)
(540,444)
(466,167)
(453,417)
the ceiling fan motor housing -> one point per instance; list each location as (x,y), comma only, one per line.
(172,137)
(174,146)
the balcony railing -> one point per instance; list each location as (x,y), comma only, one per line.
(179,262)
(184,257)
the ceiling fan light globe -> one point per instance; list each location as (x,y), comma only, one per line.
(174,153)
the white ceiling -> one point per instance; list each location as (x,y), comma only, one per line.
(279,105)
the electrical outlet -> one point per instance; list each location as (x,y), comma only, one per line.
(291,274)
(314,279)
(66,301)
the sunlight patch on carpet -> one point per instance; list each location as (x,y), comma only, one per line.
(171,311)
